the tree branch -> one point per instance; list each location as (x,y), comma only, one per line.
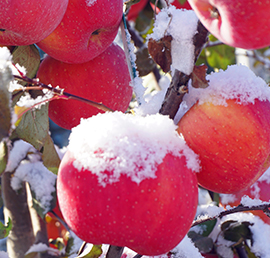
(178,87)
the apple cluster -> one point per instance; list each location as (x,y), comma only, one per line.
(81,59)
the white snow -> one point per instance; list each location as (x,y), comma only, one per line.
(90,2)
(18,153)
(249,202)
(41,181)
(41,247)
(126,144)
(181,25)
(237,82)
(260,232)
(186,249)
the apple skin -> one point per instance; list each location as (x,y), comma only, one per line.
(244,24)
(99,80)
(85,31)
(150,218)
(233,143)
(27,22)
(264,195)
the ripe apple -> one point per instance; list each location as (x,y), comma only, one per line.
(120,183)
(86,30)
(178,5)
(24,22)
(135,10)
(104,79)
(259,190)
(232,139)
(244,24)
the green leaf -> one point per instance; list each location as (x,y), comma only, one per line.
(95,252)
(4,230)
(3,156)
(220,56)
(34,127)
(50,157)
(5,102)
(236,231)
(28,57)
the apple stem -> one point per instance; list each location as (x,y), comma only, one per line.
(60,93)
(239,208)
(115,251)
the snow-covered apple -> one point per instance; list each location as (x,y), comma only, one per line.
(99,80)
(86,30)
(244,24)
(229,128)
(24,22)
(128,180)
(259,192)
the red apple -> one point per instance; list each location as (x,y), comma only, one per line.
(135,10)
(243,24)
(232,139)
(24,22)
(104,79)
(259,190)
(178,5)
(119,183)
(87,29)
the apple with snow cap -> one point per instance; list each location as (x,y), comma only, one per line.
(24,22)
(244,24)
(87,29)
(229,128)
(128,180)
(98,80)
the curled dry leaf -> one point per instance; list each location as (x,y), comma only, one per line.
(161,52)
(198,76)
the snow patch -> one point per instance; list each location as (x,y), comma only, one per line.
(126,144)
(90,2)
(181,24)
(237,82)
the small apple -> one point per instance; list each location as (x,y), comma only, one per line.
(260,190)
(135,10)
(229,128)
(25,22)
(244,24)
(127,180)
(104,79)
(179,5)
(87,29)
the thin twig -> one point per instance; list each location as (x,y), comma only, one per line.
(239,208)
(60,92)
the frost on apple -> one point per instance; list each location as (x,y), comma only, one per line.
(181,25)
(126,144)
